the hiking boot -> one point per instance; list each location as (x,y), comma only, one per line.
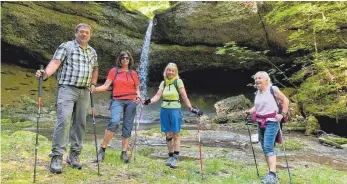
(174,162)
(269,179)
(169,161)
(101,155)
(124,157)
(55,167)
(74,161)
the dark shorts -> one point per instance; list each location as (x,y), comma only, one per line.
(125,109)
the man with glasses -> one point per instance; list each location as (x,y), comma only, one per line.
(77,67)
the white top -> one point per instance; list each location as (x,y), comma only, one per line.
(265,103)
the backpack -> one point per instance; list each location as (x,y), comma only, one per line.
(113,81)
(280,106)
(179,95)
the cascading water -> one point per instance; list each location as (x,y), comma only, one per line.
(142,70)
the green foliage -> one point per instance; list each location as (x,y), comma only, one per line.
(5,121)
(311,25)
(293,145)
(147,7)
(322,93)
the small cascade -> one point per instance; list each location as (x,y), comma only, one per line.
(142,70)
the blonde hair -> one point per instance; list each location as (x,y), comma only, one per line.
(171,66)
(82,25)
(266,76)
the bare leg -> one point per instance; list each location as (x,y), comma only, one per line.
(125,143)
(170,144)
(271,160)
(177,142)
(107,138)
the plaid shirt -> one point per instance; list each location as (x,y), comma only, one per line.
(77,64)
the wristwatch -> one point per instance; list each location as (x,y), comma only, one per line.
(93,84)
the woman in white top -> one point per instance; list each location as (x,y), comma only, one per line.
(267,113)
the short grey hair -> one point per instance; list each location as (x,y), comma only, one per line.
(82,25)
(266,75)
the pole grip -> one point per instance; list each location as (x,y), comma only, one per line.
(40,82)
(91,100)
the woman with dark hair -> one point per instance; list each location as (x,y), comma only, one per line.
(125,97)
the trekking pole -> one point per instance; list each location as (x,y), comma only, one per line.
(201,171)
(285,155)
(133,148)
(96,144)
(37,121)
(250,141)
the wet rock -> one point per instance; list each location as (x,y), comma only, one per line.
(344,146)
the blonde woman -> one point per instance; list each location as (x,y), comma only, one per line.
(268,116)
(171,89)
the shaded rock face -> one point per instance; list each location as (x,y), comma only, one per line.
(32,31)
(189,32)
(213,24)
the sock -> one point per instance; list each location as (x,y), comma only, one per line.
(103,149)
(171,154)
(273,173)
(176,152)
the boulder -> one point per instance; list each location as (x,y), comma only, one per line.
(232,104)
(231,109)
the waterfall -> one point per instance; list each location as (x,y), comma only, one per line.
(142,70)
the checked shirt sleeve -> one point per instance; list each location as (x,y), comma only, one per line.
(60,53)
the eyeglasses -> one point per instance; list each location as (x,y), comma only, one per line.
(122,58)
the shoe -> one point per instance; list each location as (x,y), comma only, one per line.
(270,179)
(174,162)
(169,161)
(124,157)
(73,160)
(101,155)
(56,164)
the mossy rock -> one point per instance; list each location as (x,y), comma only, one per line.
(312,125)
(324,94)
(5,121)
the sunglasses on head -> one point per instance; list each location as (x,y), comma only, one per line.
(122,58)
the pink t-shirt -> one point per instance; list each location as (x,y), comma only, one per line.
(265,103)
